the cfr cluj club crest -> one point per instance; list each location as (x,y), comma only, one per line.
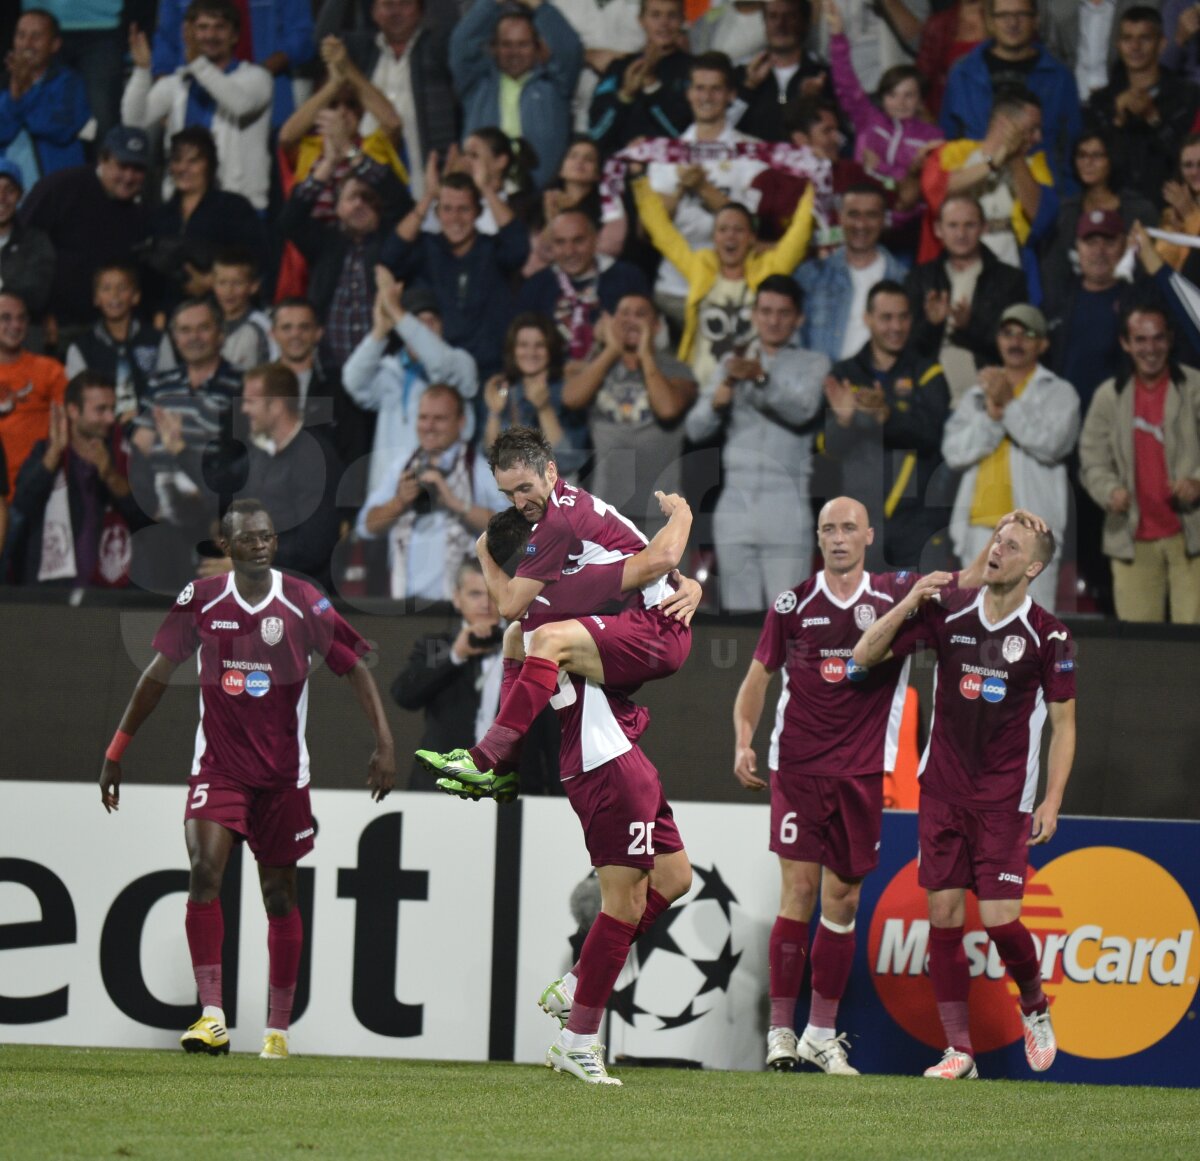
(272,630)
(1013,649)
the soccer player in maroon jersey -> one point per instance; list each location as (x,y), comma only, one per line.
(1004,665)
(255,631)
(572,531)
(628,825)
(836,734)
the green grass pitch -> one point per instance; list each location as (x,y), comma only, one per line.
(101,1103)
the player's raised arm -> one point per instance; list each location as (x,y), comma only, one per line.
(146,695)
(747,712)
(381,770)
(666,550)
(874,646)
(512,594)
(1058,770)
(975,573)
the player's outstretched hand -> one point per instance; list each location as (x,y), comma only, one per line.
(1045,823)
(381,773)
(110,785)
(685,600)
(745,767)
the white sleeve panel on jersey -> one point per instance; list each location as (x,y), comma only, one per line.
(785,695)
(1033,759)
(601,738)
(304,772)
(932,719)
(891,744)
(201,739)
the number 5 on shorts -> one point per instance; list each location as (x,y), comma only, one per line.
(788,832)
(641,838)
(199,795)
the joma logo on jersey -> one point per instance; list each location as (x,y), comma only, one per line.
(301,835)
(224,625)
(809,621)
(959,639)
(1009,877)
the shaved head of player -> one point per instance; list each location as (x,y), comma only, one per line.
(843,533)
(832,744)
(525,471)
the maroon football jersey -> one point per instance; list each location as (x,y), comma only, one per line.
(598,724)
(834,717)
(990,692)
(595,589)
(254,663)
(580,531)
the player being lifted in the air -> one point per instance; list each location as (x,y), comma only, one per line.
(572,532)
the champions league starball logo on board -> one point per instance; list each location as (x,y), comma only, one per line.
(683,965)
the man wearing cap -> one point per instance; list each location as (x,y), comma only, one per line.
(92,217)
(1011,436)
(1083,311)
(44,106)
(26,254)
(389,378)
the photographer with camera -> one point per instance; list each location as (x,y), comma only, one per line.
(454,677)
(432,507)
(763,401)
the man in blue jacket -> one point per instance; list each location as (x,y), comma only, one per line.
(43,105)
(516,67)
(1015,55)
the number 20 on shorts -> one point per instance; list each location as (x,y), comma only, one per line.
(641,841)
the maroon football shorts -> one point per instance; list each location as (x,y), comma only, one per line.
(638,645)
(277,824)
(625,815)
(836,822)
(983,850)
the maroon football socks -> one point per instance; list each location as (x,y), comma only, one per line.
(1017,949)
(951,979)
(787,951)
(285,940)
(832,958)
(529,695)
(600,962)
(205,927)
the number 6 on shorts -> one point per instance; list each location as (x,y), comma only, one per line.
(787,828)
(641,838)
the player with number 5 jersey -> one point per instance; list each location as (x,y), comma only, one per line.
(254,633)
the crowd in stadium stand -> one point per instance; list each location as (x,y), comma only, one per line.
(322,252)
